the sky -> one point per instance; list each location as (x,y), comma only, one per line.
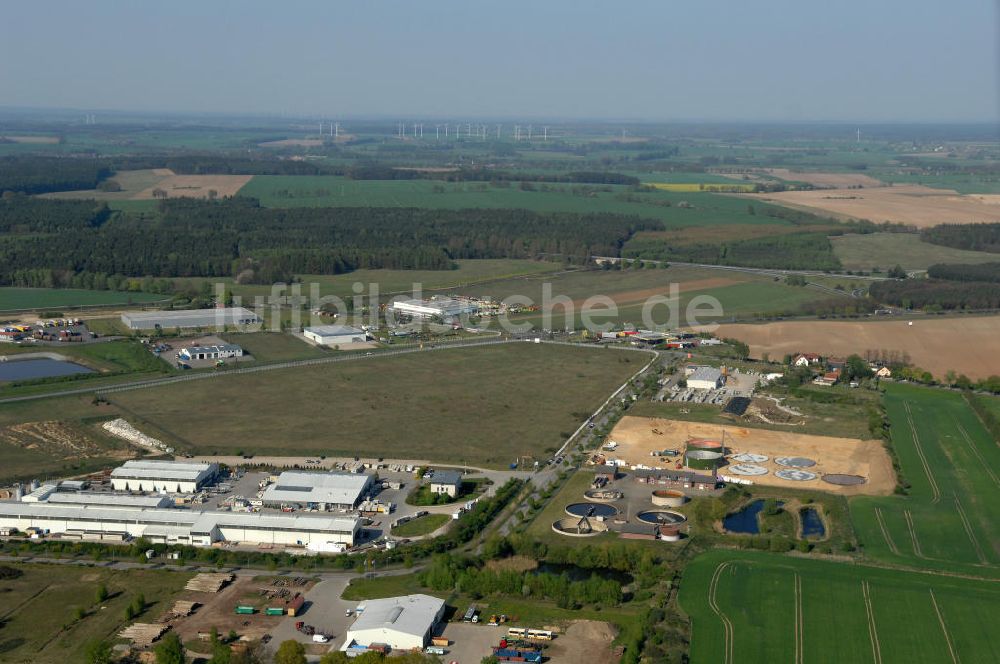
(657,60)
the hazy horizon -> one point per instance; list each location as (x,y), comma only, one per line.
(721,62)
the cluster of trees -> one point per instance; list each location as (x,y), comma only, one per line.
(795,251)
(39,175)
(973,237)
(190,238)
(983,272)
(381,171)
(937,294)
(447,572)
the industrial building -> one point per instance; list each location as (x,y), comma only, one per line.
(680,479)
(216,352)
(335,335)
(446,481)
(323,490)
(191,318)
(705,378)
(436,308)
(402,623)
(108,500)
(181,526)
(163,476)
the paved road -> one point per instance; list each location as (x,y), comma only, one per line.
(773,272)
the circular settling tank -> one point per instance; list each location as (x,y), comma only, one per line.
(843,480)
(795,462)
(747,469)
(795,475)
(702,459)
(592,510)
(668,498)
(576,527)
(603,495)
(661,517)
(749,457)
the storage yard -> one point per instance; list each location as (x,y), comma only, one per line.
(638,437)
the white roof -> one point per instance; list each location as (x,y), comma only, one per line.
(198,521)
(110,500)
(334,330)
(226,314)
(410,614)
(166,470)
(306,487)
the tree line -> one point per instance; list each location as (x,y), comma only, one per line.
(795,251)
(972,237)
(988,272)
(937,294)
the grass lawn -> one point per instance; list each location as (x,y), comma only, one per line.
(39,616)
(832,612)
(951,518)
(16,299)
(883,250)
(469,406)
(274,346)
(24,458)
(421,525)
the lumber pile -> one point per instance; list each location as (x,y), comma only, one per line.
(208,583)
(180,609)
(143,634)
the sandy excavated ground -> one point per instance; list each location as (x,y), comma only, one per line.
(915,205)
(833,180)
(195,186)
(584,641)
(967,345)
(636,439)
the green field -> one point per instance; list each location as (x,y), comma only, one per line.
(756,607)
(45,458)
(421,525)
(472,406)
(334,191)
(15,299)
(741,295)
(951,518)
(963,183)
(40,622)
(396,281)
(883,250)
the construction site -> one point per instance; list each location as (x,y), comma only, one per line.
(752,456)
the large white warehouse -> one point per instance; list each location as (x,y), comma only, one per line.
(191,318)
(334,335)
(182,526)
(324,490)
(165,476)
(437,308)
(706,378)
(402,623)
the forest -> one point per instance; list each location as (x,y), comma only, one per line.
(237,237)
(39,175)
(937,294)
(989,272)
(795,251)
(972,237)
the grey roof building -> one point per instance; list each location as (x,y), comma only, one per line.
(191,318)
(333,489)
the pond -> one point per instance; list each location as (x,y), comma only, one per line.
(812,524)
(745,521)
(39,368)
(577,573)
